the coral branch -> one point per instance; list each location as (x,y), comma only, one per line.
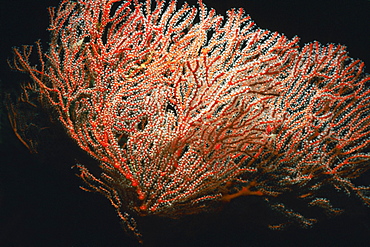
(179,104)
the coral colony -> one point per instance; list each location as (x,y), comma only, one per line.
(185,109)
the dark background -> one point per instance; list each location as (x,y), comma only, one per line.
(40,200)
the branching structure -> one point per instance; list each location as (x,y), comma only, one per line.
(185,110)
